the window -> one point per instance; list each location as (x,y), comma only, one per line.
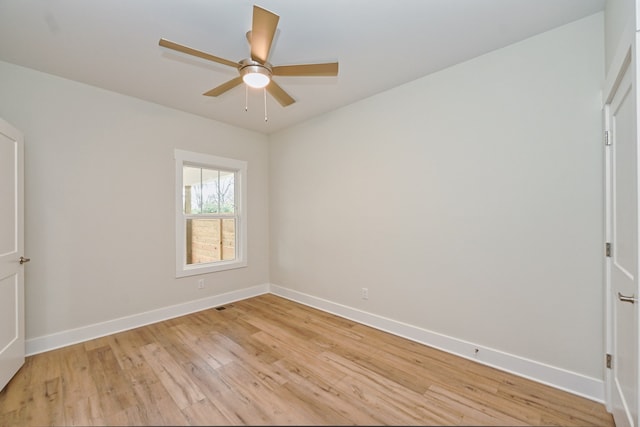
(210,219)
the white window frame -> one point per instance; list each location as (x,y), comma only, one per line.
(239,167)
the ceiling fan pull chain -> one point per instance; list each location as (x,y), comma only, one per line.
(246,98)
(265,103)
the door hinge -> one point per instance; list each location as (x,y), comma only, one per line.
(607,140)
(609,362)
(607,249)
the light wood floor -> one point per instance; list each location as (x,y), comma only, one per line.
(270,361)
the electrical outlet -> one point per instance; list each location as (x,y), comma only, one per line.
(200,283)
(365,293)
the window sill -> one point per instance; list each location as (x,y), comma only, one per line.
(194,270)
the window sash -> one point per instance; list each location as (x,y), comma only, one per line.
(222,174)
(210,240)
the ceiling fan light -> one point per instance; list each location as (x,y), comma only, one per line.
(255,76)
(256,80)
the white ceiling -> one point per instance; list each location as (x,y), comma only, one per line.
(379,44)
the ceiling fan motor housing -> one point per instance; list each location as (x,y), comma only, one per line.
(248,66)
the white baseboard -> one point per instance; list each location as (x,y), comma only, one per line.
(97,330)
(590,388)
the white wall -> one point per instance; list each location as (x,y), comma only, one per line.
(468,202)
(99,203)
(619,22)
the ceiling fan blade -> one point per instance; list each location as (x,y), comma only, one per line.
(219,90)
(262,32)
(279,94)
(188,50)
(328,69)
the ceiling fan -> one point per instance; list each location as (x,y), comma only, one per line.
(256,71)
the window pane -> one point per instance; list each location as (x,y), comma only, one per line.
(210,197)
(208,191)
(203,241)
(191,194)
(227,192)
(228,239)
(210,240)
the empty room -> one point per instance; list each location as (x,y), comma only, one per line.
(319,212)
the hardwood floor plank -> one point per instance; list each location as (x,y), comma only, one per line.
(322,396)
(96,343)
(275,403)
(151,394)
(270,361)
(22,391)
(181,388)
(13,418)
(126,348)
(238,410)
(47,406)
(254,355)
(314,411)
(84,411)
(115,393)
(302,355)
(401,406)
(204,413)
(490,399)
(77,382)
(215,355)
(472,412)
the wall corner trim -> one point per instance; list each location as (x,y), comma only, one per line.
(572,382)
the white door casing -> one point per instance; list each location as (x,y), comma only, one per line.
(12,345)
(622,235)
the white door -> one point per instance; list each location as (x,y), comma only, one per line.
(622,262)
(11,251)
